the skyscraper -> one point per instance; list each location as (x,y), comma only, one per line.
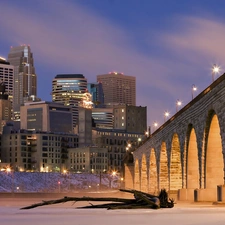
(96,91)
(6,77)
(25,80)
(5,107)
(71,89)
(118,88)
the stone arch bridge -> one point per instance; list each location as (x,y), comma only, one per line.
(186,154)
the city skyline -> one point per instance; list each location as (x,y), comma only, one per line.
(169,46)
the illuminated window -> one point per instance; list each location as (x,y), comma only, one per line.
(122,110)
(122,124)
(122,117)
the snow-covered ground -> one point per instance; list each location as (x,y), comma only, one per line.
(67,214)
(55,182)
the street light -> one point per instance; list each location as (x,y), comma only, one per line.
(155,125)
(121,182)
(166,114)
(178,103)
(146,133)
(194,88)
(215,69)
(9,170)
(59,183)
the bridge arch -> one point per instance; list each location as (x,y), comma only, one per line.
(153,181)
(175,164)
(192,160)
(144,180)
(214,164)
(194,140)
(163,168)
(136,175)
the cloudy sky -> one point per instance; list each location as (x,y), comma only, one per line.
(168,45)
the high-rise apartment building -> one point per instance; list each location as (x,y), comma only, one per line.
(25,80)
(71,89)
(118,88)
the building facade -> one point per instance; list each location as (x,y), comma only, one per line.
(130,118)
(46,116)
(37,151)
(25,79)
(85,127)
(71,90)
(7,77)
(103,118)
(5,107)
(118,88)
(88,160)
(97,95)
(116,142)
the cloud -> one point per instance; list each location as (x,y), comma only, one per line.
(67,37)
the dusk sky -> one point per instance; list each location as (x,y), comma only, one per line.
(168,45)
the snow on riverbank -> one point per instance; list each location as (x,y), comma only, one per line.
(55,182)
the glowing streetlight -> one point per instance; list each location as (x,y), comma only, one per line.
(114,173)
(155,125)
(215,69)
(146,133)
(166,114)
(59,183)
(9,170)
(194,88)
(178,103)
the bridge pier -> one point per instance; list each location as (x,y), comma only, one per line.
(221,193)
(186,194)
(129,176)
(207,194)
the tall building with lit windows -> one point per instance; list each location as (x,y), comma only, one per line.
(6,77)
(97,96)
(71,90)
(118,88)
(25,79)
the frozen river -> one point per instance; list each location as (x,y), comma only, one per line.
(67,214)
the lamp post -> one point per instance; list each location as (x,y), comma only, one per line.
(139,141)
(194,88)
(9,170)
(111,178)
(178,103)
(166,114)
(100,180)
(215,69)
(59,183)
(155,125)
(121,182)
(146,134)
